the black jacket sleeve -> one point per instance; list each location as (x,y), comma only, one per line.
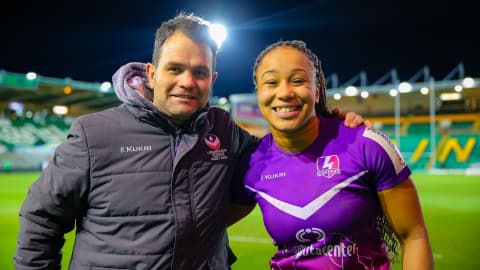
(247,144)
(53,204)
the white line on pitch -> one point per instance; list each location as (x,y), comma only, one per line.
(250,239)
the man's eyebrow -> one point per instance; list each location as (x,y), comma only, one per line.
(178,64)
(173,63)
(201,67)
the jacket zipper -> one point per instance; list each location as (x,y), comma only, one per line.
(177,143)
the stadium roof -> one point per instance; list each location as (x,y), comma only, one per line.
(40,92)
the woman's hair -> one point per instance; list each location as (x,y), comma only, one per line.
(389,238)
(321,108)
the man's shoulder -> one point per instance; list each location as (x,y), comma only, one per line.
(101,117)
(218,117)
(219,113)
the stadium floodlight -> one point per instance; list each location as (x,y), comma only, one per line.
(404,87)
(60,109)
(424,90)
(31,76)
(468,82)
(67,90)
(393,92)
(450,96)
(223,100)
(218,32)
(458,88)
(364,94)
(105,86)
(351,91)
(337,96)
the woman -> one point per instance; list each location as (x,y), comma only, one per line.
(331,197)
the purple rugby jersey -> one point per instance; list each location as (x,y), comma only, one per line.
(320,206)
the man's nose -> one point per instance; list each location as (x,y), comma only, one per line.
(187,80)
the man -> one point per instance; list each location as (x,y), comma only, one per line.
(147,184)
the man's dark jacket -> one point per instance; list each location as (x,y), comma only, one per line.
(142,192)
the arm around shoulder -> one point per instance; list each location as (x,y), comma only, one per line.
(238,211)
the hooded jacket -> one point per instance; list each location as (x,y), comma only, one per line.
(143,192)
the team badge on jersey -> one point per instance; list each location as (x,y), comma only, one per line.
(310,235)
(328,166)
(213,142)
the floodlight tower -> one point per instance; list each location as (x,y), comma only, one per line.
(218,32)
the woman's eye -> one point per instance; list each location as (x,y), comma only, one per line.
(298,81)
(270,82)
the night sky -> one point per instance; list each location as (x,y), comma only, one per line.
(88,40)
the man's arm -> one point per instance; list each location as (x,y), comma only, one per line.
(52,205)
(237,212)
(352,119)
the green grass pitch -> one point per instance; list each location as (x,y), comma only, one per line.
(451,205)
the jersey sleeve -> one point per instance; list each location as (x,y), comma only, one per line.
(384,160)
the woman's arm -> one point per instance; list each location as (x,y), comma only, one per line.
(402,210)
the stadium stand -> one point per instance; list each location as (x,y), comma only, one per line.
(29,133)
(457,139)
(28,145)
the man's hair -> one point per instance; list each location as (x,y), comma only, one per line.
(321,108)
(191,25)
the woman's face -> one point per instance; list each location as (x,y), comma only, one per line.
(287,89)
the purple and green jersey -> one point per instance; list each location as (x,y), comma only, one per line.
(320,206)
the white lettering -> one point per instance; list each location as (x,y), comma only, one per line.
(273,176)
(340,250)
(327,172)
(392,151)
(132,148)
(218,154)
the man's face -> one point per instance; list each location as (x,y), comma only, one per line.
(183,77)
